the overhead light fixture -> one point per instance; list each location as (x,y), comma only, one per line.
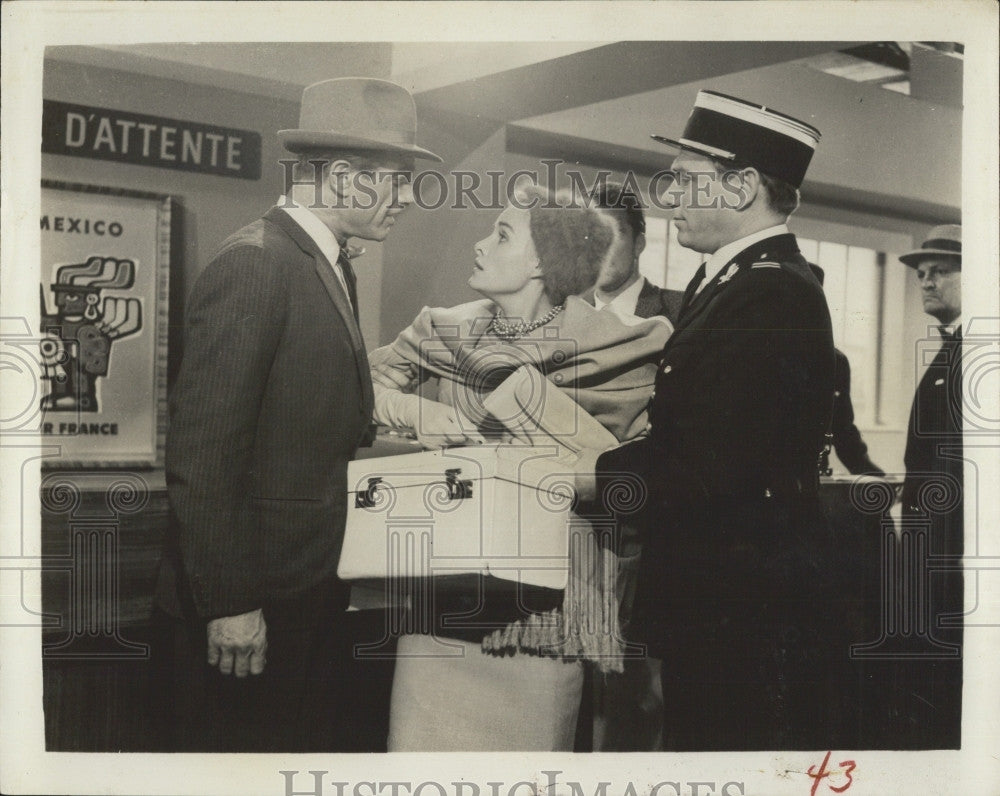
(866,63)
(883,63)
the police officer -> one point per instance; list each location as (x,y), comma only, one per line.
(732,591)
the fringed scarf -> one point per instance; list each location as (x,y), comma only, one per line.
(586,625)
(606,366)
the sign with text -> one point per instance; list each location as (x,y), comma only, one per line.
(126,137)
(104,314)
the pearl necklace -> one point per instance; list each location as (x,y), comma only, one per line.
(511,330)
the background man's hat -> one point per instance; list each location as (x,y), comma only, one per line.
(942,241)
(746,134)
(356,113)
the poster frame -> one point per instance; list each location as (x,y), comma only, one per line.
(157,417)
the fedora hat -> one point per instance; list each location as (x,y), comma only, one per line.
(356,113)
(743,133)
(941,241)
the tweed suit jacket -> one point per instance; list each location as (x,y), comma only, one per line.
(272,400)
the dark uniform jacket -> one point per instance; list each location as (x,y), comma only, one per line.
(725,488)
(273,398)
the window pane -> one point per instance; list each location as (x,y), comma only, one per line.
(809,249)
(860,338)
(832,258)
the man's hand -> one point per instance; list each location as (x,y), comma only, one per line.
(439,425)
(238,643)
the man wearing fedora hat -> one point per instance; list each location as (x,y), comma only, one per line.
(731,590)
(929,691)
(272,400)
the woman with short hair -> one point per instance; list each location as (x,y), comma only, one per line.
(518,685)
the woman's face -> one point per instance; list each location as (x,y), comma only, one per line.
(506,261)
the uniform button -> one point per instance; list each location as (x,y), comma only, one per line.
(558,378)
(649,427)
(667,368)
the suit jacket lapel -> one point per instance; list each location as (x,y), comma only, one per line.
(649,303)
(335,291)
(324,268)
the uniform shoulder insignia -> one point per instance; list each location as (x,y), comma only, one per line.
(766,265)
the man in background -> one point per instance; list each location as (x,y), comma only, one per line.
(931,692)
(620,287)
(272,401)
(630,704)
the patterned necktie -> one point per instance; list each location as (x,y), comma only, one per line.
(692,288)
(352,283)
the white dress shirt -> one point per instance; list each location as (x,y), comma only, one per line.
(321,235)
(951,328)
(625,302)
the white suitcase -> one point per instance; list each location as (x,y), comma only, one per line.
(502,510)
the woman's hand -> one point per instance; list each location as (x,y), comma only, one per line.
(393,378)
(439,425)
(584,475)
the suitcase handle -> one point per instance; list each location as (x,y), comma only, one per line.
(457,489)
(366,499)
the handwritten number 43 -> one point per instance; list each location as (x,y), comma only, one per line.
(848,767)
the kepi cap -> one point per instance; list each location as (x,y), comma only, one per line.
(356,113)
(743,133)
(942,241)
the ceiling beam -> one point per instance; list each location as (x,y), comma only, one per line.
(607,72)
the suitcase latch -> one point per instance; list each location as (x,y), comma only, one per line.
(457,489)
(366,499)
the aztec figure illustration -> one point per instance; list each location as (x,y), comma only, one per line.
(76,339)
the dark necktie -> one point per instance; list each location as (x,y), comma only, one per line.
(950,334)
(692,288)
(352,283)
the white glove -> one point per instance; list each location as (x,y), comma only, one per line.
(436,424)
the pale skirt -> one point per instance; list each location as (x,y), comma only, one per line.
(448,696)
